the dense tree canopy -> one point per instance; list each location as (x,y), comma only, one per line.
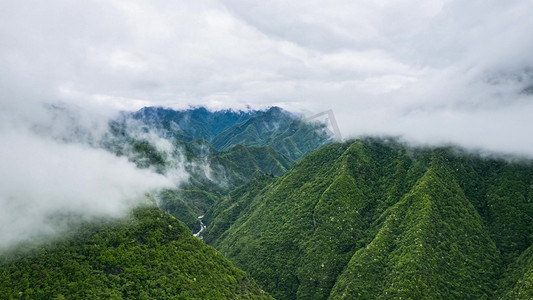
(376,219)
(150,255)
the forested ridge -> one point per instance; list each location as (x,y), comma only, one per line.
(149,255)
(376,219)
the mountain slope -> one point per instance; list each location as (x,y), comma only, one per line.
(518,282)
(241,163)
(225,171)
(149,256)
(234,206)
(283,131)
(374,218)
(432,242)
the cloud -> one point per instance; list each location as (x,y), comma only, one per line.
(440,71)
(41,179)
(55,172)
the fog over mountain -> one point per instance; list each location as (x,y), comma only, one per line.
(430,71)
(161,149)
(54,175)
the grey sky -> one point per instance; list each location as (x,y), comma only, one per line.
(432,71)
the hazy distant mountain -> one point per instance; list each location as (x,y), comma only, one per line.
(275,127)
(148,256)
(374,219)
(190,124)
(285,132)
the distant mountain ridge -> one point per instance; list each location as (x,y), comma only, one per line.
(190,124)
(287,133)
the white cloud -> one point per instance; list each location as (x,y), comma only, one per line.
(393,67)
(42,179)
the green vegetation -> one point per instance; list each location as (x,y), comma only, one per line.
(226,171)
(235,205)
(150,255)
(241,164)
(431,243)
(375,219)
(286,133)
(219,150)
(518,282)
(186,205)
(283,131)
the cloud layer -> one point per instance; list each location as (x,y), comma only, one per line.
(43,180)
(431,71)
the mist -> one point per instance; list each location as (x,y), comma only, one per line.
(443,71)
(54,174)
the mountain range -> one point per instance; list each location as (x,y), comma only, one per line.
(151,254)
(285,132)
(287,212)
(220,150)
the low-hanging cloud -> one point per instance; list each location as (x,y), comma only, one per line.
(54,173)
(42,179)
(421,69)
(438,71)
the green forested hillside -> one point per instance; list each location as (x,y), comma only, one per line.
(226,171)
(518,279)
(241,164)
(234,206)
(150,255)
(376,219)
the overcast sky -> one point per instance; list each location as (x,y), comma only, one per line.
(431,71)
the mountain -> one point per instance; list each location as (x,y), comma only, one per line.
(287,133)
(280,129)
(150,255)
(214,176)
(220,150)
(190,124)
(376,219)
